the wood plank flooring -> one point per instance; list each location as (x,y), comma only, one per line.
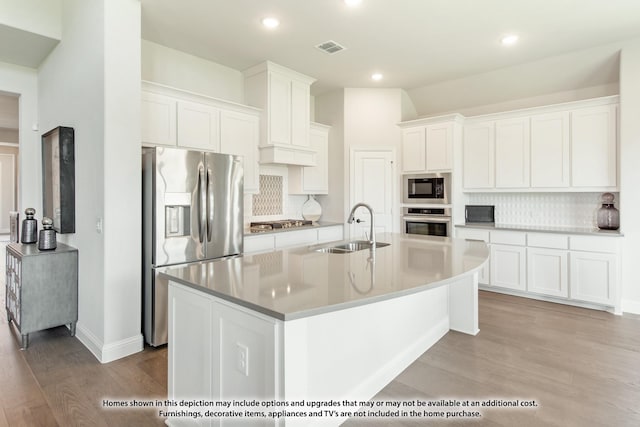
(581,366)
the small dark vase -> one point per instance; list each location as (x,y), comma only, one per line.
(608,215)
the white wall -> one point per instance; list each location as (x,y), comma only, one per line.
(91,82)
(329,109)
(630,174)
(174,68)
(41,17)
(593,70)
(23,81)
(370,120)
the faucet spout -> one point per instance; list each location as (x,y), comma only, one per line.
(372,235)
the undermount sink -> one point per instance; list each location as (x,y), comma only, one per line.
(353,246)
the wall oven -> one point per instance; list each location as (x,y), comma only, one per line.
(426,188)
(427,221)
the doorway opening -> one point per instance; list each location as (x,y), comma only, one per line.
(9,148)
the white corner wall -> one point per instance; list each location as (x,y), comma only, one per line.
(329,109)
(91,82)
(178,69)
(630,173)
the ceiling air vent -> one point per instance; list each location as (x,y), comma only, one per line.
(330,47)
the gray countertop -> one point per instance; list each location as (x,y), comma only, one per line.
(590,231)
(319,224)
(300,282)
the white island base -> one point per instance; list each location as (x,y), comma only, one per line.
(221,351)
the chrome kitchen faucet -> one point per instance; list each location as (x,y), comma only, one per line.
(372,236)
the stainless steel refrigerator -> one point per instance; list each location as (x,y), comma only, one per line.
(192,211)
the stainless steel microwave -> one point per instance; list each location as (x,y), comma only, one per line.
(426,188)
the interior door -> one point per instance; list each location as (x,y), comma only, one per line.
(7,190)
(372,182)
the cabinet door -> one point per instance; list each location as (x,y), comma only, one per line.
(550,150)
(198,126)
(594,147)
(279,111)
(547,272)
(439,147)
(191,356)
(158,119)
(512,153)
(414,149)
(299,113)
(315,179)
(478,156)
(239,135)
(593,277)
(508,267)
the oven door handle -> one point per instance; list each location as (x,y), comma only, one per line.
(427,219)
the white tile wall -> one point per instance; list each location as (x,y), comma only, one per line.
(543,209)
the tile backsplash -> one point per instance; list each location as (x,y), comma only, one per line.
(543,209)
(270,199)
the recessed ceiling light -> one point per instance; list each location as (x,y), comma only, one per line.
(270,22)
(509,40)
(352,3)
(376,76)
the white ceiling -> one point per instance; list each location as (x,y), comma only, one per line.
(414,43)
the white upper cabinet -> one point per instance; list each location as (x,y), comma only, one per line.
(177,118)
(284,96)
(440,147)
(313,179)
(550,160)
(198,126)
(564,147)
(239,136)
(427,144)
(512,153)
(158,119)
(300,114)
(594,151)
(478,155)
(414,149)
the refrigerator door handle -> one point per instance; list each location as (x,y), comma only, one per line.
(202,203)
(210,204)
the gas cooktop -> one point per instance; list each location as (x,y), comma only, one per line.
(257,227)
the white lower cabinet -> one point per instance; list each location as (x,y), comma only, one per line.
(271,241)
(547,272)
(594,277)
(578,269)
(508,267)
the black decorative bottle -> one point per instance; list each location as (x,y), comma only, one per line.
(608,215)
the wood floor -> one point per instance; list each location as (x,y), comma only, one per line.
(581,366)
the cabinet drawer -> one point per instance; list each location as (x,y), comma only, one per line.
(509,238)
(472,234)
(329,234)
(593,244)
(298,237)
(546,240)
(258,243)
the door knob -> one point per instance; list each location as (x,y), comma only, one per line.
(360,220)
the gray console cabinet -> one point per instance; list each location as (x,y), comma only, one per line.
(41,288)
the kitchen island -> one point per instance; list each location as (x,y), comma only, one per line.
(306,325)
